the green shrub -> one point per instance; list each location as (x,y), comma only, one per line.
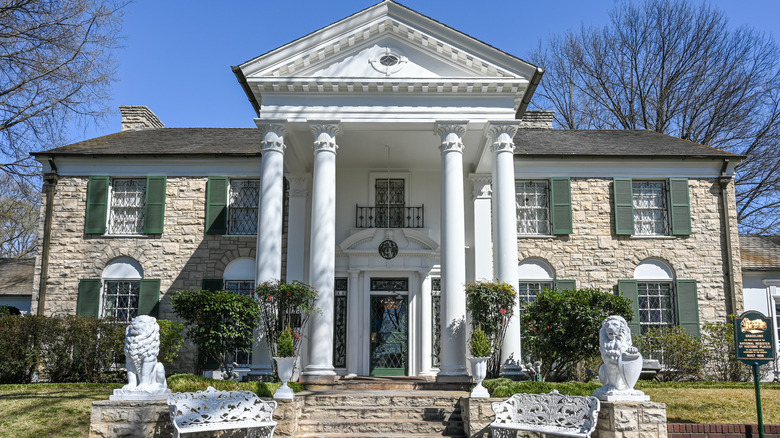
(284,348)
(479,345)
(192,383)
(9,310)
(721,362)
(491,305)
(171,341)
(561,328)
(505,388)
(218,322)
(20,344)
(681,355)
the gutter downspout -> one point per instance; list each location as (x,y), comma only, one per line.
(724,181)
(247,90)
(49,188)
(529,92)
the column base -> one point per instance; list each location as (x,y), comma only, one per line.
(512,371)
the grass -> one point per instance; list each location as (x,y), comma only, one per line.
(62,410)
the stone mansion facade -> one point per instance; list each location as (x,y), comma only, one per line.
(394,161)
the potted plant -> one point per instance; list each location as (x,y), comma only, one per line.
(285,309)
(285,364)
(491,305)
(480,354)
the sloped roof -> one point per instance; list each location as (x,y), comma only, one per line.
(168,141)
(528,142)
(609,143)
(16,276)
(759,253)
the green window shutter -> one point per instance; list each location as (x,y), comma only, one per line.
(154,217)
(149,297)
(688,306)
(624,206)
(216,205)
(88,301)
(565,284)
(629,289)
(97,205)
(212,284)
(680,210)
(560,200)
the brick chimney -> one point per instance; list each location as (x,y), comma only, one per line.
(135,117)
(537,120)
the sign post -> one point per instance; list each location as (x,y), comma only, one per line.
(755,346)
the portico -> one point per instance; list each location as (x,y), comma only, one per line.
(390,130)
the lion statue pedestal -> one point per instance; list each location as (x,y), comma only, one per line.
(146,376)
(622,363)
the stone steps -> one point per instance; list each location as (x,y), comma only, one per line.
(381,414)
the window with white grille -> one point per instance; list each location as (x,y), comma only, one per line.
(650,208)
(243,206)
(241,287)
(533,207)
(656,305)
(528,291)
(128,200)
(120,299)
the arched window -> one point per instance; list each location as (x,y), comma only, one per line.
(239,276)
(121,289)
(655,294)
(534,275)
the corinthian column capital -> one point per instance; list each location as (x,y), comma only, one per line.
(273,134)
(500,135)
(325,132)
(451,133)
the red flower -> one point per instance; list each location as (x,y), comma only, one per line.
(270,297)
(297,336)
(503,311)
(548,326)
(288,294)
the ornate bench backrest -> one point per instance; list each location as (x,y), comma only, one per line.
(553,409)
(211,406)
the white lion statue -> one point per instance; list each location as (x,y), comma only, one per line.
(622,362)
(142,345)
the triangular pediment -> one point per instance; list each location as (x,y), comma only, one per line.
(419,48)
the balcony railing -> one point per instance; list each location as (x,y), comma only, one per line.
(389,217)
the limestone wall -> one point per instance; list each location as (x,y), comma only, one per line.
(597,258)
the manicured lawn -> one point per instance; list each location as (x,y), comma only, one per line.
(48,410)
(62,410)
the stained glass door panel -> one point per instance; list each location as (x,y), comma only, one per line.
(389,346)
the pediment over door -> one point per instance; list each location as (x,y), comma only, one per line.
(409,242)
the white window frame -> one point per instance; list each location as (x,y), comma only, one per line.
(526,224)
(655,274)
(111,217)
(657,227)
(233,209)
(122,270)
(536,272)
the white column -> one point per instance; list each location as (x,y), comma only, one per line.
(268,257)
(453,254)
(322,252)
(355,329)
(501,141)
(269,228)
(483,227)
(296,226)
(426,320)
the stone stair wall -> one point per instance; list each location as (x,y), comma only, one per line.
(381,413)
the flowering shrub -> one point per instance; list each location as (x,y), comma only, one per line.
(285,306)
(491,305)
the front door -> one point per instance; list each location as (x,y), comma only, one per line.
(389,346)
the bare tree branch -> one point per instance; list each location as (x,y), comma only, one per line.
(674,67)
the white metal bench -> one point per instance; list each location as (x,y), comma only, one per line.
(552,413)
(211,410)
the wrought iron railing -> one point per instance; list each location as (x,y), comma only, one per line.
(389,217)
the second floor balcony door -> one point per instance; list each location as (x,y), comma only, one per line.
(390,203)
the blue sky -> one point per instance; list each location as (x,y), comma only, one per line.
(176,54)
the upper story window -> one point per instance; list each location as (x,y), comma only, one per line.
(650,208)
(125,206)
(127,198)
(243,206)
(533,207)
(390,203)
